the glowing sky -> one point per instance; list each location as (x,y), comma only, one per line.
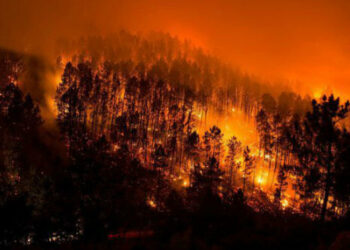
(301,40)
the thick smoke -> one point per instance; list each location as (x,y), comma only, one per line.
(300,41)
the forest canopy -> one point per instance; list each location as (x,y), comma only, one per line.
(136,145)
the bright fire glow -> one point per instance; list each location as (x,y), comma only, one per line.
(151,203)
(185,183)
(284,203)
(260,180)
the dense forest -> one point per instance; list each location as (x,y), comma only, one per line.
(136,158)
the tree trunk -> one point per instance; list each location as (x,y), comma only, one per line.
(326,194)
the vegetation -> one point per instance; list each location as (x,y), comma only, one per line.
(128,153)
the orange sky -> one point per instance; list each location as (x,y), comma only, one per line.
(301,40)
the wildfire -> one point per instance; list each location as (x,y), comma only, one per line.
(151,203)
(185,183)
(284,203)
(260,180)
(317,94)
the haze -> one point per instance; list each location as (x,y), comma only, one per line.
(304,42)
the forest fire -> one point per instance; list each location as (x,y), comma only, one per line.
(200,135)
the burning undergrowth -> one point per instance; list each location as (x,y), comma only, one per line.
(148,126)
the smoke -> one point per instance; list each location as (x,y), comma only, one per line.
(40,80)
(304,42)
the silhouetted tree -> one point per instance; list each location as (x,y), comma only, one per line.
(248,166)
(317,145)
(234,150)
(281,184)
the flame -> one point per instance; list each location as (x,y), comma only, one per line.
(260,180)
(317,94)
(151,203)
(234,123)
(185,183)
(284,203)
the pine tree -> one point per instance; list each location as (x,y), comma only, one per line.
(316,142)
(234,149)
(248,166)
